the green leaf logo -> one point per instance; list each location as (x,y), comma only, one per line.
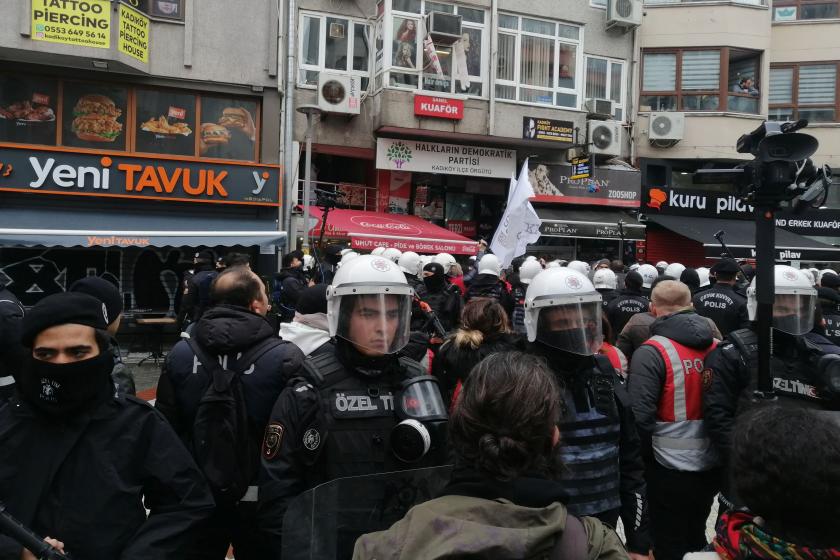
(399,153)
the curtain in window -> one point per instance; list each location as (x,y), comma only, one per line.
(660,72)
(615,82)
(507,55)
(596,78)
(781,85)
(701,70)
(817,84)
(360,46)
(536,68)
(311,28)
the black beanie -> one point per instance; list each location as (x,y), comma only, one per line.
(61,309)
(313,300)
(102,290)
(633,280)
(830,280)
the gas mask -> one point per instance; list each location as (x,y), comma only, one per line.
(423,420)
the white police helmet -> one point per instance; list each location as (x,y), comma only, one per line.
(489,264)
(634,266)
(347,256)
(580,266)
(563,310)
(445,260)
(674,270)
(703,273)
(794,303)
(554,264)
(308,262)
(369,305)
(528,270)
(649,274)
(410,263)
(377,251)
(604,278)
(392,254)
(661,266)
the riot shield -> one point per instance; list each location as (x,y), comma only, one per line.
(323,523)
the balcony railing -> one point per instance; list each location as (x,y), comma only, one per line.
(359,197)
(745,2)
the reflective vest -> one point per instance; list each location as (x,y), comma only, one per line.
(679,438)
(616,357)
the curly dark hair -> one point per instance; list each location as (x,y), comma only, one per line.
(504,419)
(786,468)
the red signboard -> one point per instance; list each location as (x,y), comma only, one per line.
(464,227)
(440,107)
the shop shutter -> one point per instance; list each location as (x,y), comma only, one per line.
(665,245)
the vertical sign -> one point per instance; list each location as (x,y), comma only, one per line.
(134,34)
(86,24)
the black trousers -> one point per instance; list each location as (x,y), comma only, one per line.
(230,526)
(680,503)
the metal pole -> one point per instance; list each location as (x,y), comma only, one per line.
(289,122)
(765,243)
(310,118)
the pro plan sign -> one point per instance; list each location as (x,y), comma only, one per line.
(115,175)
(440,107)
(451,159)
(604,186)
(591,230)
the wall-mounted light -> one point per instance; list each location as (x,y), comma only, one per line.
(100,64)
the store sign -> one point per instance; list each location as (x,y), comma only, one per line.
(581,168)
(134,34)
(115,175)
(591,230)
(451,159)
(84,23)
(440,107)
(467,228)
(682,202)
(417,245)
(604,186)
(782,254)
(811,222)
(548,129)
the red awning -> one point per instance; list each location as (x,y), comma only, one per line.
(368,230)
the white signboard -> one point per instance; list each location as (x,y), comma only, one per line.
(450,159)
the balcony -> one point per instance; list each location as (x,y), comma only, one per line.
(358,197)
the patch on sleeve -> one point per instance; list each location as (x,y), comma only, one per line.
(707,379)
(272,440)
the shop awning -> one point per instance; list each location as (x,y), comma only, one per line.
(589,224)
(740,238)
(55,228)
(368,230)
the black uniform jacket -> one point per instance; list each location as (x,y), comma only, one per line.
(11,350)
(85,481)
(723,305)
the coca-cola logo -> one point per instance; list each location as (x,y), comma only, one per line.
(385,225)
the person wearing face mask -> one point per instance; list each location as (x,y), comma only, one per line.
(359,407)
(79,462)
(600,446)
(288,285)
(444,298)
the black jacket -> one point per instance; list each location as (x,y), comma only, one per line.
(490,286)
(607,296)
(226,330)
(624,306)
(293,282)
(723,305)
(647,370)
(197,292)
(83,482)
(11,351)
(446,304)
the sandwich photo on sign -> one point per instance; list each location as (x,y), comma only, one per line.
(165,122)
(228,128)
(27,109)
(94,116)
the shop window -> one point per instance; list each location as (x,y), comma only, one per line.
(94,116)
(700,80)
(538,61)
(335,45)
(28,108)
(414,61)
(165,122)
(804,91)
(793,10)
(605,80)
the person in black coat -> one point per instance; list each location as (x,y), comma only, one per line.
(290,282)
(81,463)
(629,302)
(488,284)
(721,303)
(234,326)
(11,350)
(444,298)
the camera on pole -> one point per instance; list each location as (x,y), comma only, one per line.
(782,173)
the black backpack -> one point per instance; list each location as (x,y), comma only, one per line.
(224,442)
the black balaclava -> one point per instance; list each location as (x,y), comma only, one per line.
(62,390)
(437,281)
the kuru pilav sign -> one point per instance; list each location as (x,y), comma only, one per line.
(134,34)
(85,23)
(450,159)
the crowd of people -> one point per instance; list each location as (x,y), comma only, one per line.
(565,397)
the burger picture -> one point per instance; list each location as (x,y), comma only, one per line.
(234,117)
(96,119)
(214,134)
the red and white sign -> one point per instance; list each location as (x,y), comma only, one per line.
(464,227)
(177,113)
(40,99)
(440,107)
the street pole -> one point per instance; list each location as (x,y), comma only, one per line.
(311,111)
(765,244)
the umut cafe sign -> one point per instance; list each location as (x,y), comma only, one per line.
(116,175)
(439,107)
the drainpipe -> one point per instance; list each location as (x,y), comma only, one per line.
(494,54)
(633,118)
(289,173)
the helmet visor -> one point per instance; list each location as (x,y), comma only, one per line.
(794,313)
(375,324)
(571,327)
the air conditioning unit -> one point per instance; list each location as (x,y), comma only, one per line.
(443,28)
(625,14)
(604,137)
(598,108)
(339,94)
(666,126)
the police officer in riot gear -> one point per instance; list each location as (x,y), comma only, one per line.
(829,298)
(600,447)
(629,301)
(360,408)
(802,374)
(721,303)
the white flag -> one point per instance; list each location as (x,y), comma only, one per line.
(520,224)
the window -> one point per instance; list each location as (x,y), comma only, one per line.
(792,10)
(334,44)
(804,91)
(605,80)
(598,4)
(538,61)
(416,62)
(701,80)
